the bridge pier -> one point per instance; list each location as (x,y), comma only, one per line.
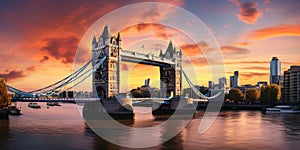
(180,105)
(109,108)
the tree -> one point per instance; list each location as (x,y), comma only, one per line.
(252,95)
(236,95)
(270,94)
(275,93)
(137,93)
(4,96)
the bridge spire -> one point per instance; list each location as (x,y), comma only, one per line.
(105,33)
(94,40)
(161,53)
(119,37)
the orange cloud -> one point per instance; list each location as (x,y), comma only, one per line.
(249,12)
(195,48)
(234,50)
(158,30)
(275,31)
(31,68)
(256,68)
(254,74)
(245,62)
(243,44)
(197,61)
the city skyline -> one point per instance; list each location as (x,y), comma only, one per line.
(34,46)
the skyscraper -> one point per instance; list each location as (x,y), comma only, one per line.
(234,80)
(275,71)
(223,81)
(210,84)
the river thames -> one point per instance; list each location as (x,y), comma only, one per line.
(63,128)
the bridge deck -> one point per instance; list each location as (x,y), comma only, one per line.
(148,59)
(64,100)
(82,100)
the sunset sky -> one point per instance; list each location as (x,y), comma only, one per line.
(38,39)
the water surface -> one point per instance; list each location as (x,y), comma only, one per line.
(63,128)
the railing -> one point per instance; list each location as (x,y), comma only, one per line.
(66,100)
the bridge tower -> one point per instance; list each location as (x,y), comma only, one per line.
(171,77)
(106,79)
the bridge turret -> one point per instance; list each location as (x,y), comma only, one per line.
(94,43)
(170,51)
(105,34)
(171,76)
(106,80)
(161,53)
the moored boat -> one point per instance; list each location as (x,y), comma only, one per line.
(53,104)
(57,104)
(282,109)
(13,110)
(33,105)
(50,103)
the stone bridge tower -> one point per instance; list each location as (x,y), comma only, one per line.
(171,77)
(106,79)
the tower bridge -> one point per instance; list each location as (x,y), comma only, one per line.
(106,79)
(107,57)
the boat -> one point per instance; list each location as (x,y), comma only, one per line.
(282,109)
(50,103)
(57,104)
(33,105)
(53,104)
(13,110)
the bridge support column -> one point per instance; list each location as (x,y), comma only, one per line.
(180,105)
(109,108)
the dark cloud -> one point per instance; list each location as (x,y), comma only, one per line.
(45,58)
(31,68)
(11,75)
(63,49)
(249,12)
(234,50)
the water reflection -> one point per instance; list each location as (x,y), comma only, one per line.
(63,128)
(4,132)
(290,124)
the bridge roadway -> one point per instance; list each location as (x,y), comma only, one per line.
(148,59)
(83,100)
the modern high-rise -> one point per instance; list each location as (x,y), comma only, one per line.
(223,81)
(291,85)
(275,71)
(210,84)
(234,80)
